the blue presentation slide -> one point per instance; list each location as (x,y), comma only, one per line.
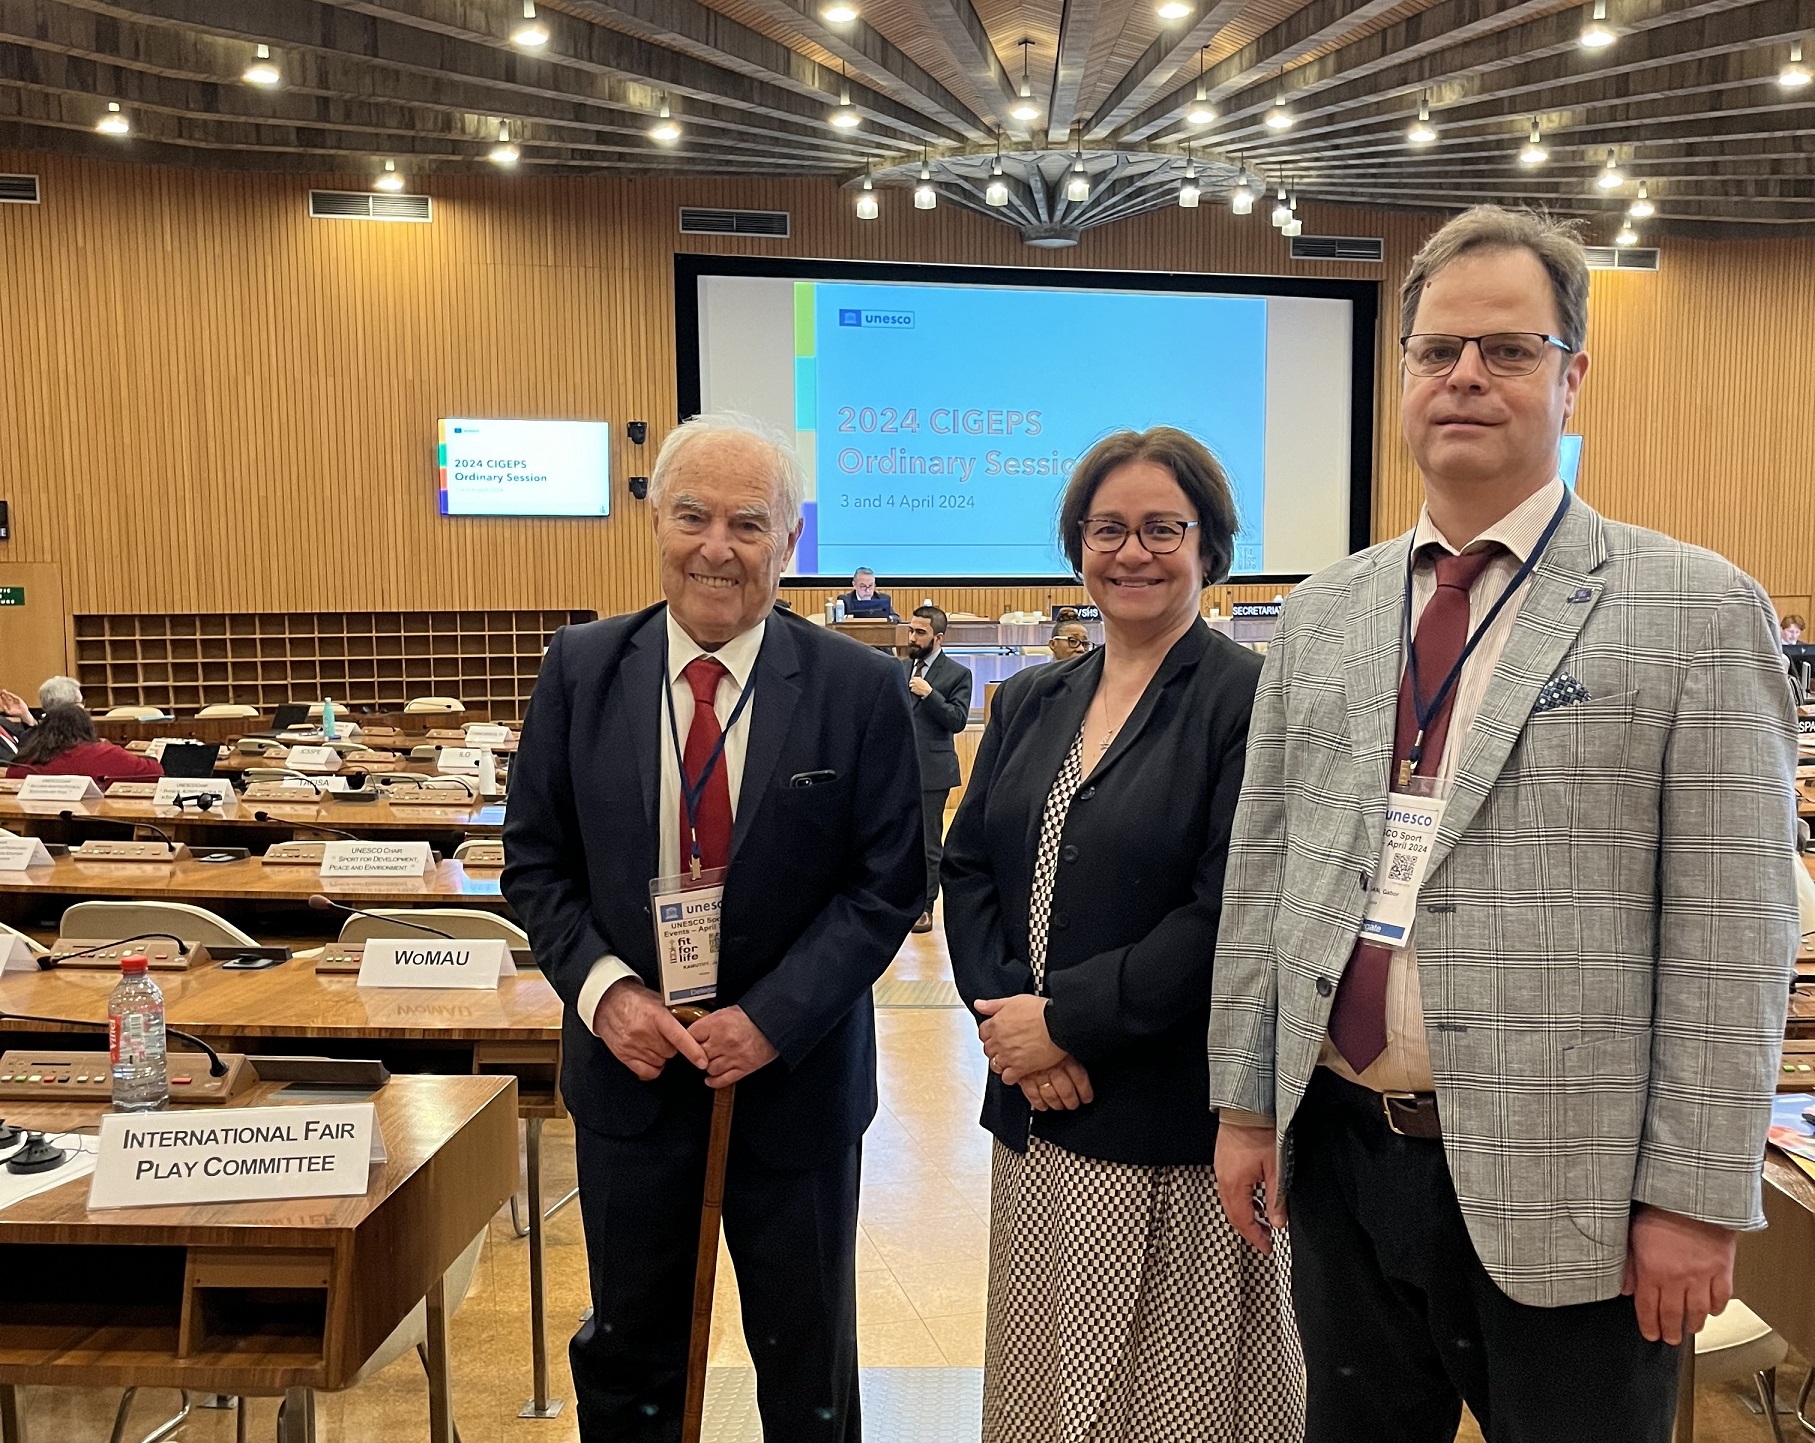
(947,419)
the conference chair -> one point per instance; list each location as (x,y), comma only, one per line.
(454,921)
(412,1332)
(104,921)
(466,848)
(418,705)
(135,713)
(225,709)
(1736,1344)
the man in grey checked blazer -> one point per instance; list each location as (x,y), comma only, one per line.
(1583,1032)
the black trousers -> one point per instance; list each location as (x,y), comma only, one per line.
(793,1240)
(1401,1323)
(932,823)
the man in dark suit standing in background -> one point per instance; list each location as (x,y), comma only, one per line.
(790,781)
(942,708)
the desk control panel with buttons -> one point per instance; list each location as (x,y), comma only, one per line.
(44,1075)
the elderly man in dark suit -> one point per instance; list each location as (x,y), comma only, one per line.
(941,689)
(789,792)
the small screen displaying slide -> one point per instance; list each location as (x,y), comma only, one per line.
(939,420)
(524,468)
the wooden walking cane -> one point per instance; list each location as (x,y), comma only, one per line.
(705,1270)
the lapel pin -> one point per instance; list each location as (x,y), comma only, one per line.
(1582,593)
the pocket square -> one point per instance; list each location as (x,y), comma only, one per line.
(1560,691)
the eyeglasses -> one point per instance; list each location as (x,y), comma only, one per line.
(1158,538)
(1506,353)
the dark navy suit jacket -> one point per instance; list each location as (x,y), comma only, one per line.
(825,879)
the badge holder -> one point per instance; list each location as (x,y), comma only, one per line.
(1414,811)
(686,913)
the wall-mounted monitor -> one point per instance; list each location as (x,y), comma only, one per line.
(524,468)
(939,410)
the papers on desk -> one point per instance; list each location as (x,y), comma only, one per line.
(1790,1133)
(80,1162)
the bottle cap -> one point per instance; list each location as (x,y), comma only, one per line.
(135,963)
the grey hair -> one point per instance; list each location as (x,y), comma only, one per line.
(789,474)
(59,691)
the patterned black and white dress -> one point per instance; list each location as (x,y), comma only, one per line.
(1123,1307)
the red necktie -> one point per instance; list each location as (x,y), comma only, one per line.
(712,822)
(1358,1019)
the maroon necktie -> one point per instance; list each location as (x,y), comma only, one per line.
(712,823)
(1358,1019)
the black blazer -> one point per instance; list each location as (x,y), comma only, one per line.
(1137,898)
(825,880)
(938,716)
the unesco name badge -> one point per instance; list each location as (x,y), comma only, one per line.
(1405,852)
(686,914)
(241,1154)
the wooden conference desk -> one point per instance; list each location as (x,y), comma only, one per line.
(514,1031)
(366,819)
(68,1320)
(249,880)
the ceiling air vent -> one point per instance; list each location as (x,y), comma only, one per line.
(1338,248)
(18,190)
(358,205)
(696,220)
(1622,258)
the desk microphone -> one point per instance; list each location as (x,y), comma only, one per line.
(321,903)
(216,1068)
(312,826)
(153,827)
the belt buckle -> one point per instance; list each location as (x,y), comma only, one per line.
(1387,1099)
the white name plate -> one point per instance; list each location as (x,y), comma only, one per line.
(170,789)
(312,759)
(473,962)
(375,859)
(18,853)
(459,759)
(16,955)
(487,734)
(58,789)
(242,1155)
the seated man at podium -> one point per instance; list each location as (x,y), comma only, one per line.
(863,602)
(65,743)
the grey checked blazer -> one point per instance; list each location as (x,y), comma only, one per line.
(1607,930)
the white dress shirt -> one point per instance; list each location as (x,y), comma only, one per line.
(738,656)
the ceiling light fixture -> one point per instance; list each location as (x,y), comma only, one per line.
(1642,208)
(261,71)
(1170,10)
(1202,112)
(1281,211)
(1595,33)
(838,14)
(1279,118)
(530,33)
(866,198)
(504,153)
(845,117)
(1534,152)
(1077,185)
(1188,191)
(997,191)
(1422,131)
(1241,199)
(665,128)
(390,180)
(1627,236)
(1610,177)
(114,122)
(925,195)
(1024,107)
(1795,75)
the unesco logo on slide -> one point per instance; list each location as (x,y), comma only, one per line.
(882,320)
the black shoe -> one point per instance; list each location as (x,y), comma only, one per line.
(925,924)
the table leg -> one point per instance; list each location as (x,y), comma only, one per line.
(441,1402)
(1685,1396)
(296,1418)
(541,1405)
(12,1422)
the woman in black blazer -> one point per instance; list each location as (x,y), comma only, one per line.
(1083,881)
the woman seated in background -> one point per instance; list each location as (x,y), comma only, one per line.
(64,743)
(1083,883)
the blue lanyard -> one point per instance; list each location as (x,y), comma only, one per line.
(693,793)
(1420,710)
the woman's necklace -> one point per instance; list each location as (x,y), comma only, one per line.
(1113,727)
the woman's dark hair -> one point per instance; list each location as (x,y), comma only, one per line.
(58,729)
(1199,475)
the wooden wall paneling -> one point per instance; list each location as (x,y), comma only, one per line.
(224,406)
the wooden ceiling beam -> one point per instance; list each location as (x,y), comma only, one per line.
(958,30)
(1160,62)
(1078,27)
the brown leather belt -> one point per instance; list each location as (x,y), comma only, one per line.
(1412,1114)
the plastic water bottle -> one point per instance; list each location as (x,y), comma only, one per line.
(327,718)
(838,610)
(135,1040)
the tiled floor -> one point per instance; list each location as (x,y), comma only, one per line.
(921,1285)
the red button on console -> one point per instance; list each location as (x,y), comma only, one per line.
(178,1081)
